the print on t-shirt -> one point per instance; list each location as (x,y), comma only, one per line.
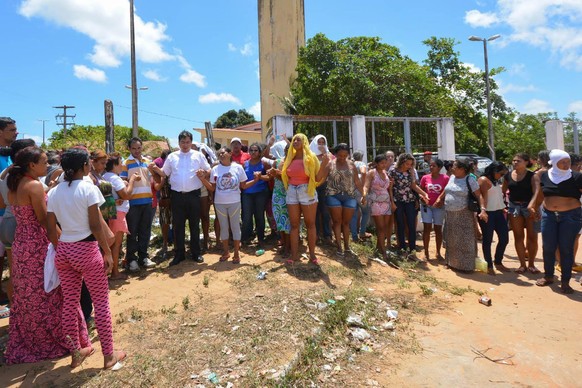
(228,182)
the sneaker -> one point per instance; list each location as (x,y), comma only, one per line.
(148,263)
(133,266)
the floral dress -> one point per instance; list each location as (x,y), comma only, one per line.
(35,332)
(379,196)
(280,204)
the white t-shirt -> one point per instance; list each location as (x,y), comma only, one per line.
(117,184)
(228,180)
(70,204)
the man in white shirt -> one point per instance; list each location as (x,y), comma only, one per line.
(181,167)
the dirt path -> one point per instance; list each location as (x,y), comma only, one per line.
(536,326)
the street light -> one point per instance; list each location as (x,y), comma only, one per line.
(133,76)
(474,38)
(140,88)
(43,121)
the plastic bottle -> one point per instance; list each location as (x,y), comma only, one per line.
(260,252)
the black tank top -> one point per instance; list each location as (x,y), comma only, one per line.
(569,188)
(520,191)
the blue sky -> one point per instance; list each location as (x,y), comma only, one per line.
(200,58)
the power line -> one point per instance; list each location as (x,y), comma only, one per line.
(162,114)
(64,116)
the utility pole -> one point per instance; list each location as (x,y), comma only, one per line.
(43,121)
(64,116)
(134,126)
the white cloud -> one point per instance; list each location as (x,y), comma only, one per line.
(535,106)
(245,50)
(472,67)
(212,98)
(84,72)
(106,22)
(516,69)
(476,18)
(153,75)
(512,88)
(552,25)
(255,110)
(575,106)
(191,76)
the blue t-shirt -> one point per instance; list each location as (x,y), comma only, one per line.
(5,162)
(250,170)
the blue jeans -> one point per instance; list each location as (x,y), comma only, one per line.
(139,223)
(559,230)
(365,211)
(406,215)
(253,206)
(323,218)
(498,224)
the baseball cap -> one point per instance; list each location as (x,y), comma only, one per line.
(427,152)
(235,139)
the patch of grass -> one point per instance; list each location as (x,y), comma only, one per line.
(402,284)
(169,310)
(186,303)
(426,290)
(206,280)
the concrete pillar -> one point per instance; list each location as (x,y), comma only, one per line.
(281,34)
(554,135)
(576,138)
(446,139)
(407,140)
(358,140)
(282,126)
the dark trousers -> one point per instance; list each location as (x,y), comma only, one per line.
(323,218)
(559,230)
(253,206)
(498,224)
(186,206)
(406,215)
(139,223)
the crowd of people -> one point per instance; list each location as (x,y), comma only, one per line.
(86,202)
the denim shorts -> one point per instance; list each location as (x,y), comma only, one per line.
(432,215)
(297,195)
(518,209)
(341,200)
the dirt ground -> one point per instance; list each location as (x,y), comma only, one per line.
(529,333)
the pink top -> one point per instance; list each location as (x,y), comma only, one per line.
(296,173)
(433,187)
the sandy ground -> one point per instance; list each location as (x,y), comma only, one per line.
(535,327)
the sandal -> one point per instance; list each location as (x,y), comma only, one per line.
(314,261)
(5,312)
(502,268)
(224,258)
(566,289)
(544,282)
(119,356)
(78,357)
(236,260)
(520,270)
(339,252)
(533,270)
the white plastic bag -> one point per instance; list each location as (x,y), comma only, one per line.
(51,276)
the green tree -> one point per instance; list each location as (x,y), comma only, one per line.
(233,119)
(93,137)
(524,133)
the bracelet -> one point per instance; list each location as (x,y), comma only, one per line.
(483,208)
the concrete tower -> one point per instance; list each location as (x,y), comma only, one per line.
(281,34)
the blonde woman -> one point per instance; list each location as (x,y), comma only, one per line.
(300,174)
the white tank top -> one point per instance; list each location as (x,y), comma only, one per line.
(495,199)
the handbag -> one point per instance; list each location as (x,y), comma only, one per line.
(472,203)
(51,276)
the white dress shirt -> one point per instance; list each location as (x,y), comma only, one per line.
(181,168)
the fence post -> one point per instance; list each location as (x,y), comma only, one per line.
(446,139)
(109,127)
(554,134)
(282,125)
(407,141)
(358,125)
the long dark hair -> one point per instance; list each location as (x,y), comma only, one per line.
(21,165)
(73,160)
(492,169)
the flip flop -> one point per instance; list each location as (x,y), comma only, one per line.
(544,282)
(533,270)
(5,312)
(78,359)
(224,258)
(236,260)
(520,270)
(117,365)
(314,261)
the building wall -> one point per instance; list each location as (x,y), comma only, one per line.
(281,34)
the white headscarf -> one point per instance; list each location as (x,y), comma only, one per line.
(555,174)
(314,147)
(208,150)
